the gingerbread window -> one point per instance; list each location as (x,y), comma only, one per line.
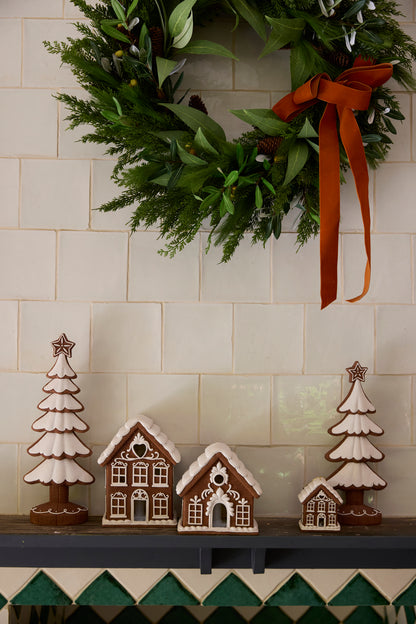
(119,473)
(160,505)
(242,514)
(140,473)
(332,506)
(321,506)
(160,474)
(118,505)
(195,511)
(310,506)
(309,519)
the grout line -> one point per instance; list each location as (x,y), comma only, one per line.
(57,246)
(375,339)
(233,339)
(162,337)
(20,195)
(19,322)
(90,337)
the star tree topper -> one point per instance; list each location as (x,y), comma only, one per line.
(357,372)
(63,345)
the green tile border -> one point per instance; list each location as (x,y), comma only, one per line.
(169,591)
(232,592)
(41,590)
(358,592)
(295,592)
(105,590)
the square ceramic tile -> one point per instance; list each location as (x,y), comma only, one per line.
(304,407)
(71,581)
(137,581)
(220,103)
(28,388)
(390,256)
(96,499)
(246,277)
(154,277)
(40,67)
(30,260)
(200,71)
(279,470)
(8,487)
(9,189)
(398,469)
(8,334)
(70,10)
(396,340)
(170,400)
(10,52)
(395,198)
(21,8)
(55,194)
(337,336)
(42,322)
(14,579)
(105,405)
(316,465)
(296,272)
(400,149)
(268,338)
(351,219)
(104,189)
(270,73)
(35,134)
(198,338)
(126,337)
(235,409)
(92,266)
(70,144)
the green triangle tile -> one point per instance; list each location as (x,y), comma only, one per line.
(410,615)
(225,614)
(271,615)
(84,614)
(169,591)
(364,614)
(105,590)
(359,592)
(296,591)
(41,590)
(408,596)
(319,615)
(130,615)
(232,592)
(3,601)
(178,614)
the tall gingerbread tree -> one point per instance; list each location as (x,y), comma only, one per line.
(59,445)
(355,450)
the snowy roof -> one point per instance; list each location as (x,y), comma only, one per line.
(151,428)
(314,485)
(206,456)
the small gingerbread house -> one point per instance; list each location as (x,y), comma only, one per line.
(139,465)
(217,494)
(320,503)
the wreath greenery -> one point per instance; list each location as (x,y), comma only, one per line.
(174,161)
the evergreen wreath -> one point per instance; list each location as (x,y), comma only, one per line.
(173,161)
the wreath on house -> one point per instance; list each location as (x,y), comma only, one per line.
(174,163)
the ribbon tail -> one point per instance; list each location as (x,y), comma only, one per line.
(329,185)
(352,141)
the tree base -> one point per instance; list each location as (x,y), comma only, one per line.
(58,514)
(358,515)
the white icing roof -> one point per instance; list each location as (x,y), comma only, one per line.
(315,484)
(58,471)
(151,428)
(205,457)
(356,475)
(356,401)
(356,447)
(356,424)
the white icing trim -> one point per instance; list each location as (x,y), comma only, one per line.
(305,527)
(205,457)
(151,428)
(356,401)
(59,513)
(126,521)
(315,484)
(205,529)
(356,475)
(58,471)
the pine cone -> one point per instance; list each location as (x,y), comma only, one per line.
(196,102)
(269,145)
(339,59)
(157,39)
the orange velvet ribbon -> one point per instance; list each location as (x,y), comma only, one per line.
(350,91)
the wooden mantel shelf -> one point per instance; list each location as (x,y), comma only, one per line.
(280,544)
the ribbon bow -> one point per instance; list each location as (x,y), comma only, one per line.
(350,91)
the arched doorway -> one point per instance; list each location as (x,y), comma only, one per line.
(219,516)
(139,506)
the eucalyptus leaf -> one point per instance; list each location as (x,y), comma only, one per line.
(118,10)
(358,6)
(203,144)
(371,138)
(231,178)
(174,178)
(190,159)
(252,15)
(207,47)
(389,125)
(210,200)
(181,40)
(307,131)
(270,186)
(258,198)
(162,180)
(142,37)
(284,31)
(395,115)
(164,69)
(179,17)
(195,119)
(313,145)
(239,153)
(111,116)
(113,32)
(132,7)
(229,206)
(297,157)
(300,65)
(118,107)
(263,118)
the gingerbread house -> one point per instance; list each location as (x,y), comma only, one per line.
(320,503)
(139,465)
(217,494)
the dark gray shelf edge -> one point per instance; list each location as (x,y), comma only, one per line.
(207,552)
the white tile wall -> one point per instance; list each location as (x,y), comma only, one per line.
(238,352)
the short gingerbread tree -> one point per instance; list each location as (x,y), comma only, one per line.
(59,445)
(355,450)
